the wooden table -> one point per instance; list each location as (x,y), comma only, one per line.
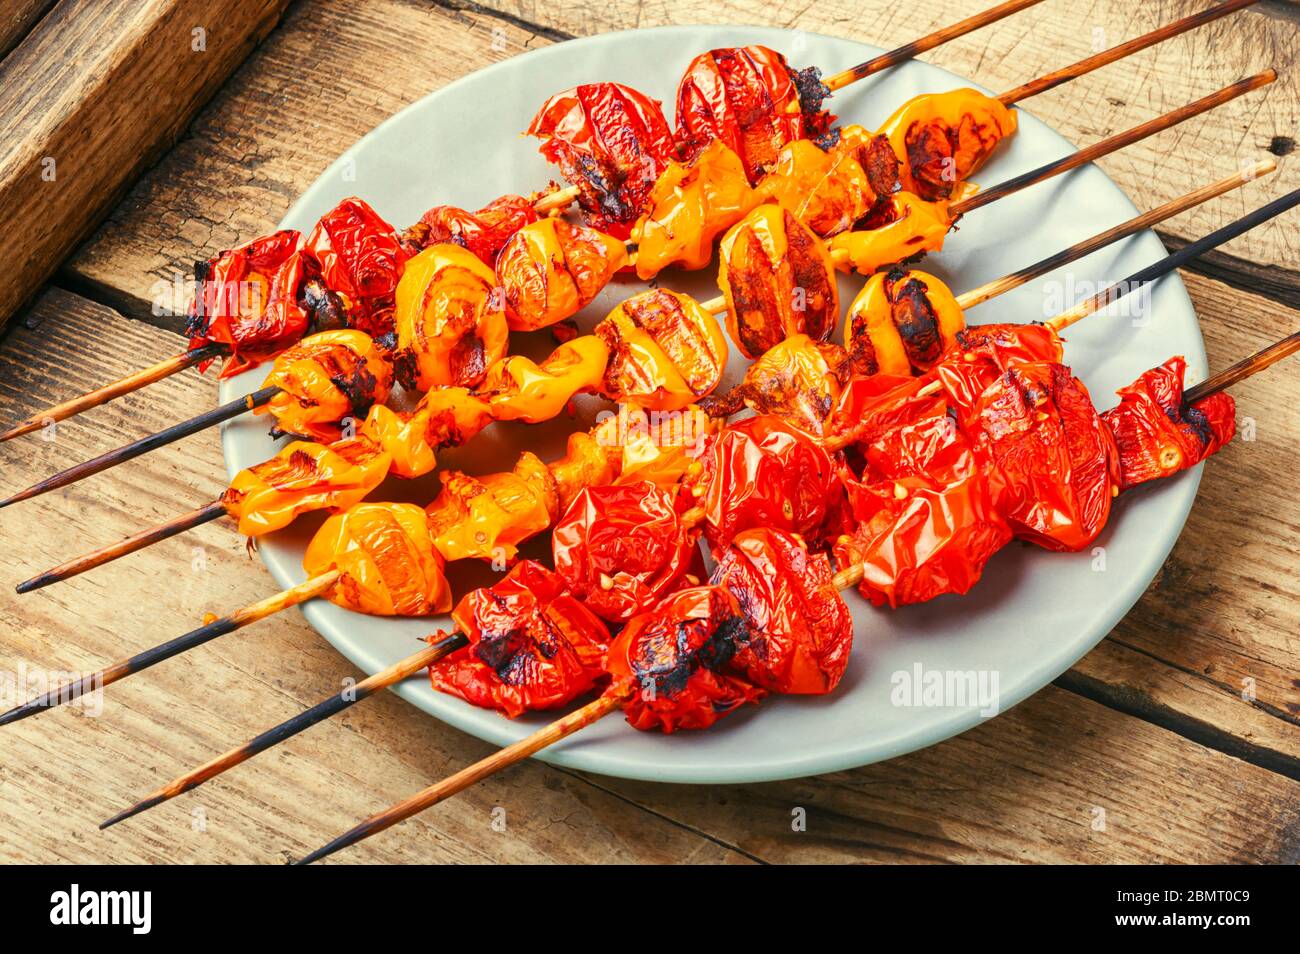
(1181,731)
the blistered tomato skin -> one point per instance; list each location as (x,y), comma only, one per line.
(450,321)
(620,548)
(665,351)
(941,138)
(673,660)
(360,258)
(325,380)
(909,318)
(532,645)
(304,476)
(909,227)
(761,472)
(800,631)
(690,205)
(610,141)
(1157,435)
(482,233)
(778,279)
(749,98)
(550,270)
(247,300)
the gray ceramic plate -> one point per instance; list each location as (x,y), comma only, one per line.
(1033,615)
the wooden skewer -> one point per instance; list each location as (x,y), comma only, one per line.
(1048,80)
(1102,148)
(716,305)
(1106,57)
(928,42)
(614,699)
(151,442)
(557,730)
(1134,225)
(318,713)
(337,703)
(1243,369)
(169,366)
(1174,261)
(1112,143)
(132,382)
(151,657)
(145,538)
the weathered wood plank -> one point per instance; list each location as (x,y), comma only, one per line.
(66,771)
(18,19)
(1224,612)
(1027,787)
(88,99)
(242,163)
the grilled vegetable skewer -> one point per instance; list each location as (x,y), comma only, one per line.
(625,690)
(751,322)
(445,223)
(725,526)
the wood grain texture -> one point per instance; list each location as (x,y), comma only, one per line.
(88,99)
(17,20)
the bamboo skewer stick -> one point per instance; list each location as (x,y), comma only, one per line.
(1243,369)
(1106,57)
(336,703)
(713,305)
(138,541)
(1174,261)
(1134,225)
(928,42)
(174,647)
(1113,143)
(557,730)
(151,442)
(132,382)
(340,701)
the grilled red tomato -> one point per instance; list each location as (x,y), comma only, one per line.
(742,96)
(532,645)
(612,143)
(360,257)
(674,659)
(761,472)
(620,548)
(927,521)
(1053,463)
(483,232)
(247,299)
(800,630)
(1157,434)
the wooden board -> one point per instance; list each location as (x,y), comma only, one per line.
(1150,728)
(88,99)
(243,163)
